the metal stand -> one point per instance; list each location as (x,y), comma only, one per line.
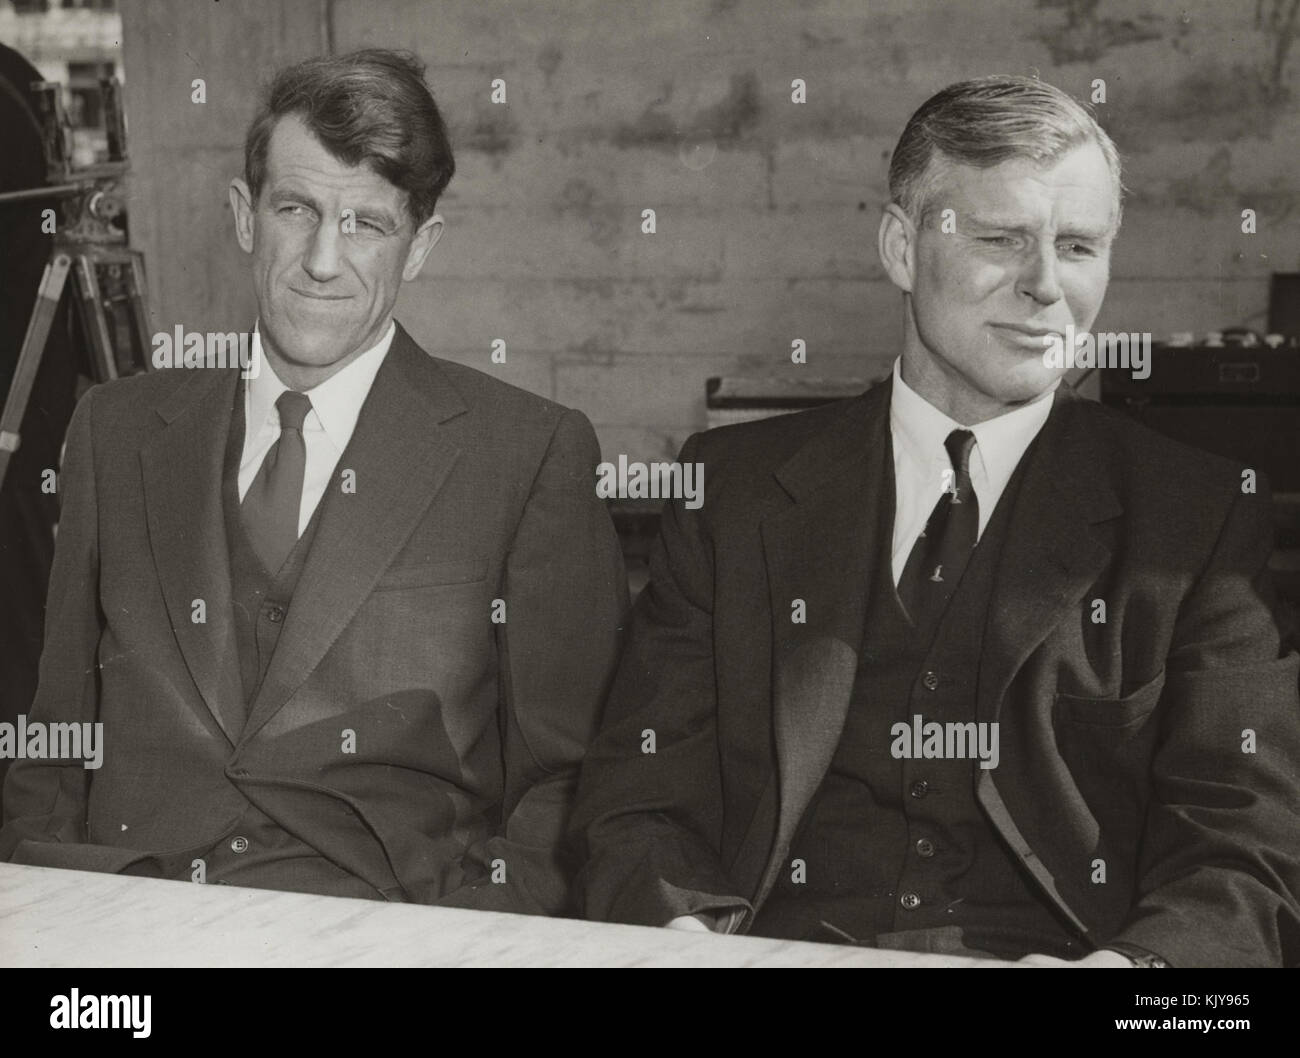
(107,275)
(109,284)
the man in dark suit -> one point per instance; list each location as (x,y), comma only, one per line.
(967,664)
(347,627)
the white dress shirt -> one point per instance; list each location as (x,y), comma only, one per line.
(919,430)
(335,407)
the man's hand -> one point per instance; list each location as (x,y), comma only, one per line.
(1097,958)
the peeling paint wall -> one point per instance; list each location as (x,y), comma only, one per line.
(766,210)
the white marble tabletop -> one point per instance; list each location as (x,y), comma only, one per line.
(77,918)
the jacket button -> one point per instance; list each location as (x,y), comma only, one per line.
(239,845)
(920,788)
(910,901)
(925,848)
(930,681)
(275,614)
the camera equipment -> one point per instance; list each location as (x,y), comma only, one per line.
(107,276)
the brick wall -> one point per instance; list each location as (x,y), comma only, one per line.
(766,209)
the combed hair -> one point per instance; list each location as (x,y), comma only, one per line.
(984,122)
(367,106)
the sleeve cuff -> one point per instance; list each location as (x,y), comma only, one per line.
(1138,956)
(721,918)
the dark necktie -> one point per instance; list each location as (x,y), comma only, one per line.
(271,505)
(942,550)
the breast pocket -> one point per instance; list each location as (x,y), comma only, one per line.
(1111,712)
(433,574)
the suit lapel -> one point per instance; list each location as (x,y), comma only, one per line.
(1050,555)
(400,459)
(182,467)
(819,550)
(1049,558)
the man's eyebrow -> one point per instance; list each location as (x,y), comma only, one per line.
(284,194)
(1073,230)
(1095,232)
(379,214)
(990,221)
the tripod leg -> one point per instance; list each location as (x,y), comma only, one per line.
(94,323)
(138,314)
(29,358)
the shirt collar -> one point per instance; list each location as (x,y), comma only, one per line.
(336,402)
(1000,442)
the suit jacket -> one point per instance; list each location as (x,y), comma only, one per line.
(467,731)
(1121,741)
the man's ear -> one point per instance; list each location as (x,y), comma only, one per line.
(241,204)
(896,244)
(426,235)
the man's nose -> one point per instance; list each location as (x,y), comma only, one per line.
(322,257)
(1039,275)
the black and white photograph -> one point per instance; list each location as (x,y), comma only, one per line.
(684,484)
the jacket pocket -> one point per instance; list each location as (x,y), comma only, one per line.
(429,574)
(1111,712)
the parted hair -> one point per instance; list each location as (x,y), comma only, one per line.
(370,106)
(986,121)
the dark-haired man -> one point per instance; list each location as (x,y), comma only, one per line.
(347,624)
(967,664)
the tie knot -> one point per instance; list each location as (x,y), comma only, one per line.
(293,408)
(959,444)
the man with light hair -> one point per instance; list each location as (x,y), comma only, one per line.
(968,542)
